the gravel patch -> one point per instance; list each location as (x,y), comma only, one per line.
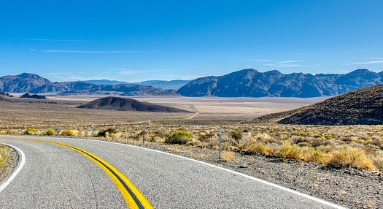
(12,162)
(348,187)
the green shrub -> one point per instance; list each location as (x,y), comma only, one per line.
(204,136)
(288,151)
(236,135)
(259,148)
(31,131)
(315,155)
(50,132)
(109,131)
(179,137)
(4,153)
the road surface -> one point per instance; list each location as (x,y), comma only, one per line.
(69,173)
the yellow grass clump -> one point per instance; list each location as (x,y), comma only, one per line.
(32,131)
(227,156)
(258,148)
(50,132)
(70,132)
(4,153)
(289,151)
(352,157)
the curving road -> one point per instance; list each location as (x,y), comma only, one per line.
(65,175)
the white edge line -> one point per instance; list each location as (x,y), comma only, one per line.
(237,173)
(18,169)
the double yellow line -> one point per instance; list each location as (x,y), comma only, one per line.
(132,196)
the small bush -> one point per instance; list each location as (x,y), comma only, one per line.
(289,151)
(227,156)
(31,131)
(179,137)
(314,154)
(70,132)
(378,161)
(352,157)
(236,135)
(204,136)
(107,132)
(259,148)
(50,132)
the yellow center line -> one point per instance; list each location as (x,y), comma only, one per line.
(132,196)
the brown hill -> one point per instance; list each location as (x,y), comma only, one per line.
(363,106)
(126,104)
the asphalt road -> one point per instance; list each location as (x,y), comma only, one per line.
(55,176)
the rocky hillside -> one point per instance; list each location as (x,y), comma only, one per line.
(127,104)
(251,83)
(363,106)
(36,84)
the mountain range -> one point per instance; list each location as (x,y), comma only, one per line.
(33,83)
(251,83)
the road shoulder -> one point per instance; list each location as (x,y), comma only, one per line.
(8,169)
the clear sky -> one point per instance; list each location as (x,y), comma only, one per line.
(140,40)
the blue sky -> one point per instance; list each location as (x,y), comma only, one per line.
(133,41)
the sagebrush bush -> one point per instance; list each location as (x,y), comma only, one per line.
(204,136)
(50,132)
(70,132)
(179,137)
(236,135)
(107,132)
(227,156)
(378,161)
(31,131)
(258,148)
(289,151)
(314,154)
(352,157)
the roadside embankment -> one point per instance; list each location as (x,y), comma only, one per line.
(8,161)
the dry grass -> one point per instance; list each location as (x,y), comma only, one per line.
(4,153)
(227,156)
(352,157)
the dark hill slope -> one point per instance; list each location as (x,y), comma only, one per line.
(126,104)
(363,106)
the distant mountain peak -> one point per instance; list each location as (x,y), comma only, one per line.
(361,72)
(28,75)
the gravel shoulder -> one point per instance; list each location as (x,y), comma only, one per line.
(12,162)
(349,187)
